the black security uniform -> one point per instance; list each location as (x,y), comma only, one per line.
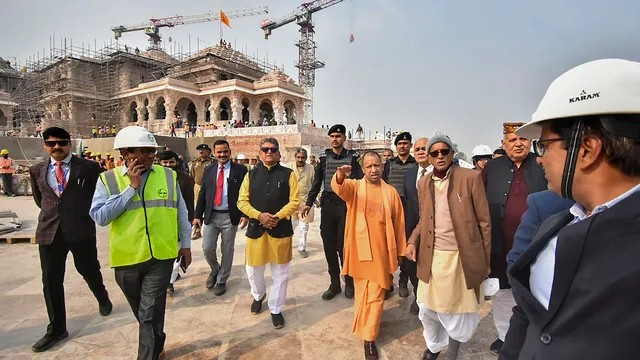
(334,209)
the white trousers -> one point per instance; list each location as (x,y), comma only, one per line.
(438,327)
(303,231)
(280,279)
(503,303)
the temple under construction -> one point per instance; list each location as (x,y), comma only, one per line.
(80,89)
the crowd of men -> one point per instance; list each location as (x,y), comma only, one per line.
(550,236)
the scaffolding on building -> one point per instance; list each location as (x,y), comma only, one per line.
(79,76)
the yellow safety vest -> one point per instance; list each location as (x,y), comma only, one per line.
(148,228)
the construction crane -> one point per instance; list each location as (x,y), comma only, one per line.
(307,63)
(152,27)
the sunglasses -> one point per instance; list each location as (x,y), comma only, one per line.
(273,149)
(444,152)
(148,151)
(52,143)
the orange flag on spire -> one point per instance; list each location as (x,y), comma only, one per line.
(224,19)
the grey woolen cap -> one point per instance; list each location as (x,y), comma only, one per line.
(439,138)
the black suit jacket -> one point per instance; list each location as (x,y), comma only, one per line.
(70,212)
(411,204)
(208,190)
(593,309)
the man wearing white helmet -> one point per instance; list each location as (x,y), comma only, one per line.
(480,156)
(577,286)
(149,229)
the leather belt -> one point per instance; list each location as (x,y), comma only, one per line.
(221,211)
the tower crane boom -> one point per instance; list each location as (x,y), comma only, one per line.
(307,63)
(152,27)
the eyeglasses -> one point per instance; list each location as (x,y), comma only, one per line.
(424,148)
(273,149)
(444,152)
(52,143)
(148,151)
(539,146)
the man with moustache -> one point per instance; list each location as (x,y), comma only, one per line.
(508,180)
(334,209)
(169,159)
(304,173)
(387,154)
(393,174)
(412,212)
(577,285)
(374,242)
(149,228)
(63,186)
(451,245)
(196,170)
(218,215)
(269,196)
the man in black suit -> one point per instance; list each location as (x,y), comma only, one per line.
(412,210)
(63,187)
(508,181)
(577,285)
(217,208)
(170,159)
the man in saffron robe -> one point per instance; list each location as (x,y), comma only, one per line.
(374,240)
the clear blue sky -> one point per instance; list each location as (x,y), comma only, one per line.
(462,67)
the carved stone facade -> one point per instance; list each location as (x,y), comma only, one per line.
(213,87)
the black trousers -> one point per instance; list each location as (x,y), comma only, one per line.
(53,258)
(408,272)
(7,183)
(145,287)
(333,216)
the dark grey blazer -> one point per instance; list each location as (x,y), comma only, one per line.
(204,206)
(70,212)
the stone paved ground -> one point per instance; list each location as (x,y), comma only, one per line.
(198,324)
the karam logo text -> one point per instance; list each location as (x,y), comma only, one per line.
(584,96)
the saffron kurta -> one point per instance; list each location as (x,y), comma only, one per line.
(268,249)
(374,239)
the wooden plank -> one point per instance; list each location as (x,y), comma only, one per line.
(18,237)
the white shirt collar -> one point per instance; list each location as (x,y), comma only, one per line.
(580,213)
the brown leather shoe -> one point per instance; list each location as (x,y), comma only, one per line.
(370,350)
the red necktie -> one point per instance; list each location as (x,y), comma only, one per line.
(217,200)
(62,183)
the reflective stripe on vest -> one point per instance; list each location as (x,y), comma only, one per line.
(147,228)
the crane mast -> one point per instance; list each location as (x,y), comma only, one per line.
(152,27)
(307,62)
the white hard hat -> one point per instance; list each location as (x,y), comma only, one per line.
(134,137)
(241,157)
(481,150)
(600,87)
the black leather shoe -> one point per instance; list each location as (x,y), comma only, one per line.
(219,289)
(496,346)
(389,293)
(105,308)
(349,291)
(331,292)
(370,350)
(414,309)
(256,305)
(403,290)
(47,341)
(428,355)
(277,320)
(211,279)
